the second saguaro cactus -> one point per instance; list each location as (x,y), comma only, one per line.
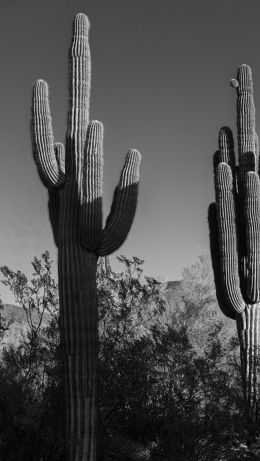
(73,177)
(235,234)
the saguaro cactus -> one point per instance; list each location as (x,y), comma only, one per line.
(235,233)
(73,177)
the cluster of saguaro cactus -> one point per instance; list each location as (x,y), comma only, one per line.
(73,177)
(235,233)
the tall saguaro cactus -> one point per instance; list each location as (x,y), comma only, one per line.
(73,177)
(235,233)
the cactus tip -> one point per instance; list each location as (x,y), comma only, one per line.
(134,155)
(224,131)
(225,137)
(245,67)
(244,78)
(224,176)
(96,129)
(41,84)
(40,88)
(59,146)
(97,124)
(81,24)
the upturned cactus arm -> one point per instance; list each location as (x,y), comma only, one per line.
(215,257)
(42,138)
(79,95)
(246,134)
(91,199)
(226,148)
(245,110)
(227,237)
(252,228)
(226,152)
(54,200)
(123,207)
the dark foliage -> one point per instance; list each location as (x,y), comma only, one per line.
(169,382)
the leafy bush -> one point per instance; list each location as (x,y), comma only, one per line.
(168,376)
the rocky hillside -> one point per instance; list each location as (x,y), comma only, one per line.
(18,324)
(200,321)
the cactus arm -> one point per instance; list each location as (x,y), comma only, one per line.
(245,110)
(91,200)
(79,95)
(54,200)
(227,237)
(245,120)
(226,147)
(123,207)
(252,227)
(42,138)
(226,152)
(214,250)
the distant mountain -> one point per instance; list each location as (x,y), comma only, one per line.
(173,285)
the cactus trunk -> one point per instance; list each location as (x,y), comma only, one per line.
(73,177)
(77,278)
(248,334)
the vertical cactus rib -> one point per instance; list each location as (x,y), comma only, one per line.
(226,152)
(226,147)
(214,250)
(256,153)
(123,206)
(245,111)
(79,94)
(59,151)
(54,202)
(252,227)
(248,333)
(227,236)
(77,277)
(245,120)
(80,72)
(91,201)
(74,182)
(42,137)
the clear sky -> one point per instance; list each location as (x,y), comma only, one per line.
(160,83)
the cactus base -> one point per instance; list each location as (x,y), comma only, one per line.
(248,327)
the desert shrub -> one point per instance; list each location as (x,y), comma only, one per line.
(168,371)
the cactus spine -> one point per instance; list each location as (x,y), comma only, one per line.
(235,233)
(73,177)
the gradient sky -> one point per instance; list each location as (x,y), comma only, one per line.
(160,83)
